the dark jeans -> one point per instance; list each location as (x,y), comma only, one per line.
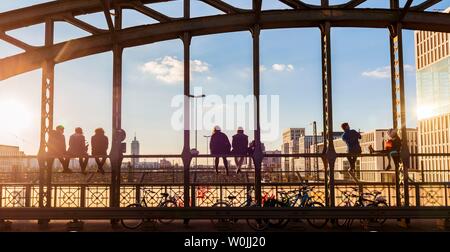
(239,161)
(83,163)
(352,162)
(216,163)
(100,162)
(64,162)
(394,155)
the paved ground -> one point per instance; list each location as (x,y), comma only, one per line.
(241,226)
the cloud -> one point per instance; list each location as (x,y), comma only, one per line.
(170,70)
(384,72)
(282,67)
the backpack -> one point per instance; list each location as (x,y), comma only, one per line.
(389,144)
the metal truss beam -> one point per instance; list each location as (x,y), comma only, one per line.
(47,102)
(399,111)
(106,8)
(186,152)
(82,25)
(15,42)
(39,13)
(145,34)
(140,7)
(425,5)
(258,154)
(328,151)
(116,150)
(297,4)
(222,6)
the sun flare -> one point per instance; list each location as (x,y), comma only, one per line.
(15,116)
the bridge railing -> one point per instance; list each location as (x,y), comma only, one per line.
(19,184)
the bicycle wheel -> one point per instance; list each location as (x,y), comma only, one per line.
(258,224)
(380,221)
(278,223)
(167,203)
(132,223)
(218,221)
(343,223)
(317,223)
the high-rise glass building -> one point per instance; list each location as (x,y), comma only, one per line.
(432,51)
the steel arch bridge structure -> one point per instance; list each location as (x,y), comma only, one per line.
(115,38)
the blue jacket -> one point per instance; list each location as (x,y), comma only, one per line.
(351,138)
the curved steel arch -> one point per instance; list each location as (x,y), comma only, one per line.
(140,35)
(116,39)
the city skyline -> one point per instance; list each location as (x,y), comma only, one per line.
(221,64)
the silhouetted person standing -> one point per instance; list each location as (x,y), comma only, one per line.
(57,147)
(351,138)
(78,148)
(99,144)
(219,145)
(240,143)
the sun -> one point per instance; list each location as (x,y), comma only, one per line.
(15,116)
(425,111)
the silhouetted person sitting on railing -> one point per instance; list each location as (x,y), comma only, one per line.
(78,148)
(57,147)
(351,138)
(219,145)
(99,148)
(240,143)
(392,147)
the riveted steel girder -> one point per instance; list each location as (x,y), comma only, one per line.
(145,34)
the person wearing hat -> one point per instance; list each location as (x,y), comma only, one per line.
(239,143)
(219,145)
(57,147)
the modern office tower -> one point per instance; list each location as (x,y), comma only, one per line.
(432,51)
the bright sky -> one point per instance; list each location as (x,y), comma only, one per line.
(290,60)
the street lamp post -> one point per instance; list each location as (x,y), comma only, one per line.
(196,96)
(207,149)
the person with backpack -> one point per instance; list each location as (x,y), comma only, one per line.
(392,147)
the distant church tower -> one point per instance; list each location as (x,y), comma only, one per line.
(135,151)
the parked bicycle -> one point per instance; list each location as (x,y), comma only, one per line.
(290,199)
(255,224)
(165,201)
(370,199)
